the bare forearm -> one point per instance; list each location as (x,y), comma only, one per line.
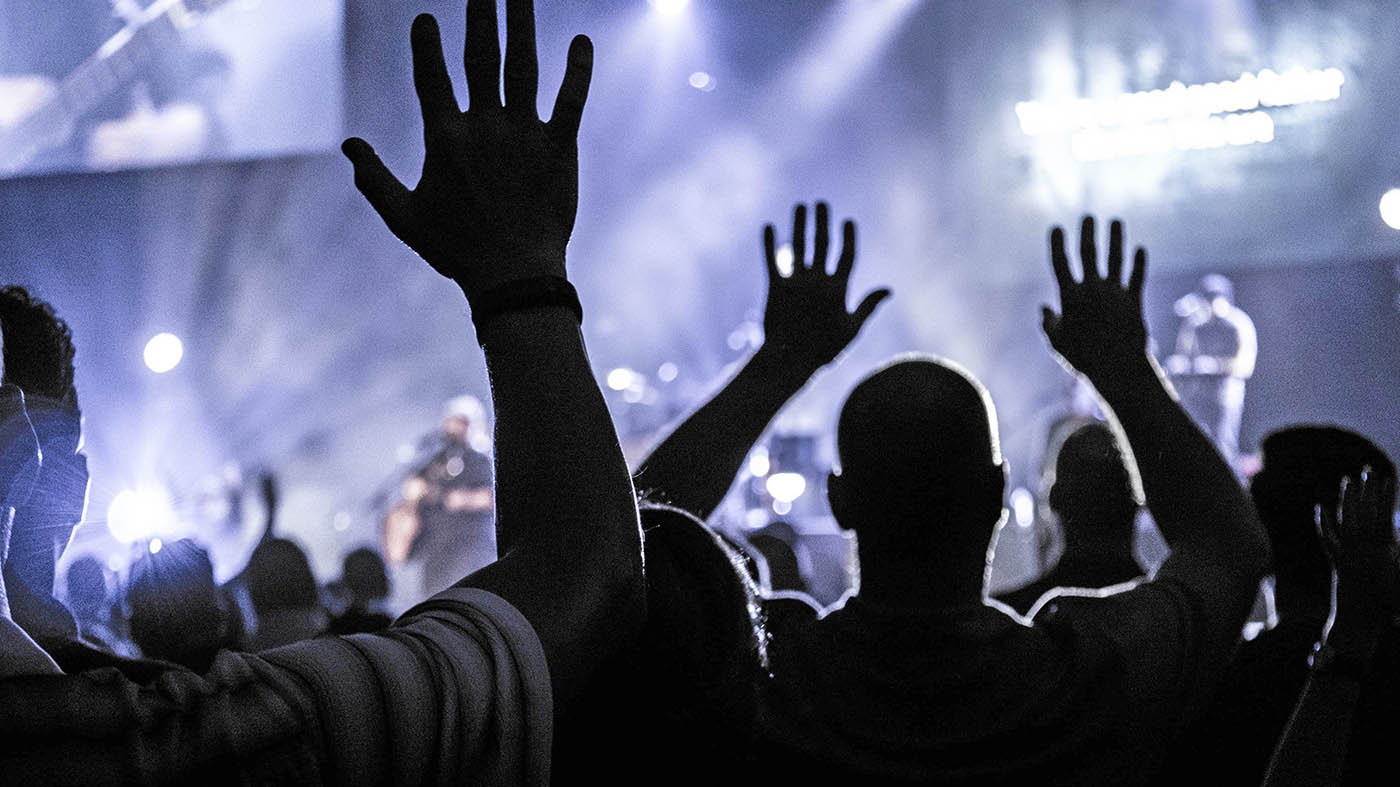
(696,464)
(1191,491)
(1313,748)
(560,474)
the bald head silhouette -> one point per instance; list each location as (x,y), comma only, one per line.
(1093,492)
(921,479)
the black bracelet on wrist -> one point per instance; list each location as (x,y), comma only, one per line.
(528,293)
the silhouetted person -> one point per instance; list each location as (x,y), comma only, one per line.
(176,611)
(776,543)
(1302,469)
(1216,349)
(363,576)
(681,702)
(916,678)
(38,355)
(1093,496)
(465,686)
(1315,749)
(285,596)
(91,604)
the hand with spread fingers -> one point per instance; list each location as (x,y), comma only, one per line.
(1359,537)
(1100,323)
(805,316)
(499,189)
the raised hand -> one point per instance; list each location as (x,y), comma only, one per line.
(1100,322)
(499,189)
(805,317)
(1359,538)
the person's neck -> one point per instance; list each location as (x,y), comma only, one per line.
(912,585)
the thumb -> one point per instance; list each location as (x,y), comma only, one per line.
(385,193)
(868,305)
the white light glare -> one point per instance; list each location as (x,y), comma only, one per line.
(621,379)
(669,7)
(758,462)
(786,487)
(667,372)
(1390,209)
(155,546)
(137,514)
(163,352)
(702,81)
(783,257)
(1023,507)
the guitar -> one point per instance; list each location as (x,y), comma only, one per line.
(38,114)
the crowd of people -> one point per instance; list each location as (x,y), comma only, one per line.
(618,637)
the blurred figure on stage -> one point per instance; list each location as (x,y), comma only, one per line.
(445,519)
(1215,353)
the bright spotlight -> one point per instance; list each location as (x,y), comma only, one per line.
(783,257)
(621,379)
(667,372)
(669,7)
(163,352)
(1390,209)
(702,81)
(759,465)
(155,546)
(137,514)
(786,487)
(1023,507)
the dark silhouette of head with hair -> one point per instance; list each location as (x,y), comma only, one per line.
(776,542)
(363,574)
(684,696)
(176,613)
(284,593)
(38,355)
(921,482)
(1303,467)
(86,581)
(1093,493)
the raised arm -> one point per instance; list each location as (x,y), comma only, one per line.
(805,326)
(1217,546)
(493,211)
(1366,563)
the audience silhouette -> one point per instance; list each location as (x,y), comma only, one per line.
(1302,469)
(629,641)
(1092,494)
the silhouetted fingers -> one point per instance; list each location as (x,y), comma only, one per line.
(573,93)
(868,305)
(799,238)
(1115,252)
(1059,261)
(522,72)
(385,193)
(1138,275)
(1088,249)
(770,253)
(821,237)
(481,56)
(847,259)
(430,78)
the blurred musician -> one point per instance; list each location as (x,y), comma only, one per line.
(445,519)
(1215,353)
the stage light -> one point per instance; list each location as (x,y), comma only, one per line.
(137,514)
(783,256)
(786,487)
(163,352)
(1023,507)
(621,379)
(155,546)
(667,372)
(669,7)
(341,521)
(702,81)
(758,462)
(1390,209)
